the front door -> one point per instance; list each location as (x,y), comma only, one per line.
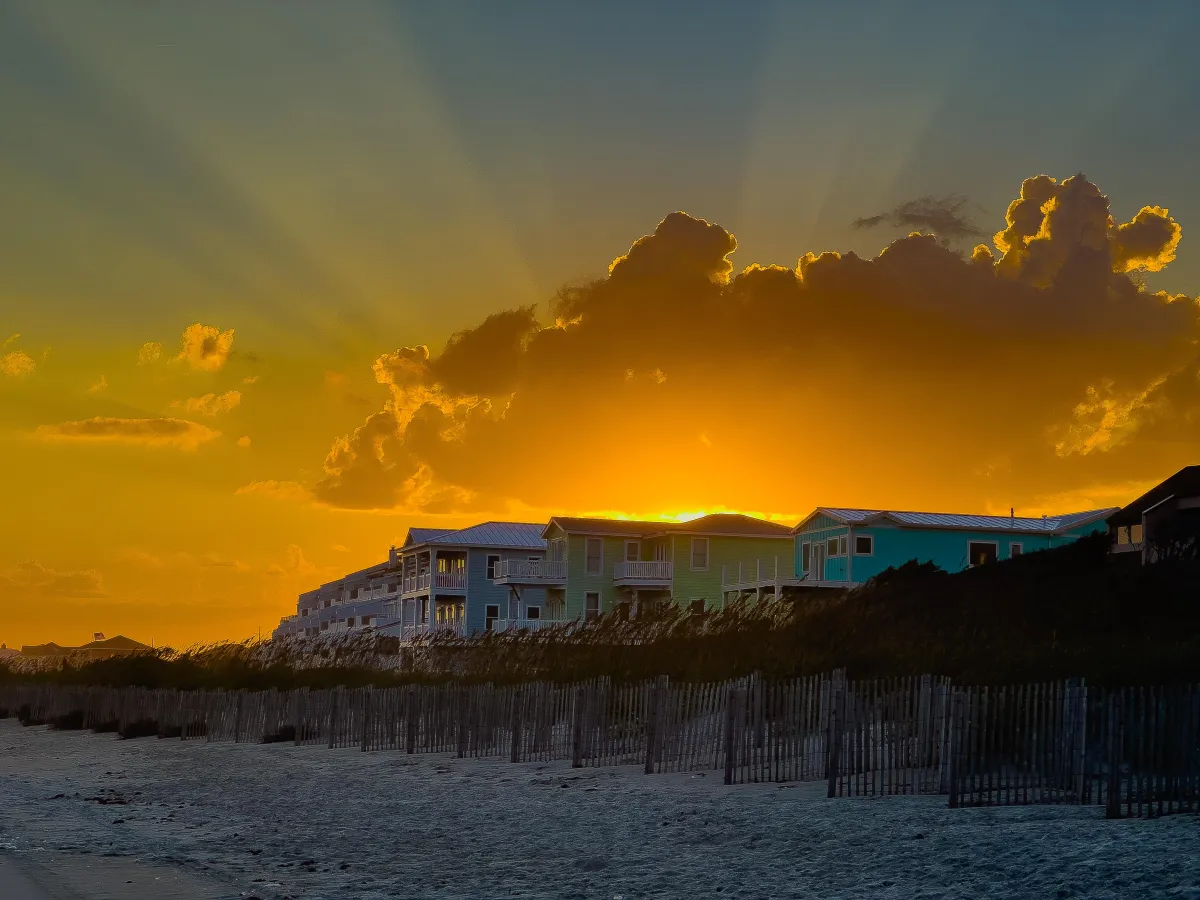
(514,606)
(816,564)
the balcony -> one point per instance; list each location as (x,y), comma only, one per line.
(643,573)
(454,581)
(544,572)
(524,624)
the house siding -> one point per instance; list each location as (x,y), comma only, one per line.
(727,552)
(947,548)
(482,591)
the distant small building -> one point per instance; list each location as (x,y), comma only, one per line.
(1164,514)
(100,649)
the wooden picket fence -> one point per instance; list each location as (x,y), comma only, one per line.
(1134,751)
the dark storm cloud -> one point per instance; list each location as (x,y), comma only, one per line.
(945,216)
(671,378)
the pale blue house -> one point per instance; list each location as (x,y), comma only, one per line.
(845,547)
(448,580)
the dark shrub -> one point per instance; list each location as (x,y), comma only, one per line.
(286,734)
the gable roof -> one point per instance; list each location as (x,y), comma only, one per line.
(958,521)
(598,525)
(1184,483)
(733,524)
(729,524)
(499,535)
(422,535)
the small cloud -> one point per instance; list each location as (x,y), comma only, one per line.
(277,490)
(209,404)
(8,340)
(945,216)
(244,441)
(164,432)
(705,440)
(32,579)
(151,352)
(17,364)
(205,347)
(99,386)
(296,564)
(250,379)
(339,548)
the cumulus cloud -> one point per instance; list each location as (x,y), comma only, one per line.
(945,216)
(209,404)
(919,376)
(294,564)
(98,386)
(244,441)
(17,364)
(164,432)
(205,347)
(31,580)
(150,352)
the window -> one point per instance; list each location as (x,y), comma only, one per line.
(831,547)
(695,606)
(491,613)
(864,545)
(534,558)
(595,556)
(805,556)
(699,554)
(558,550)
(591,604)
(1123,534)
(304,612)
(1135,534)
(981,553)
(660,552)
(393,586)
(350,622)
(493,563)
(324,626)
(424,610)
(533,612)
(354,594)
(1016,548)
(842,550)
(365,620)
(633,551)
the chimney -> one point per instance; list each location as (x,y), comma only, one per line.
(1012,513)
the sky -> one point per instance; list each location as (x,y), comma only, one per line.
(280,281)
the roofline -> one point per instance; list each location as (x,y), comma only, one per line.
(481,546)
(783,536)
(1155,506)
(889,514)
(554,520)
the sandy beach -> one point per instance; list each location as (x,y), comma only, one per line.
(90,816)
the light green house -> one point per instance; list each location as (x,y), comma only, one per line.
(593,565)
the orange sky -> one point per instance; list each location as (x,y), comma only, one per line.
(280,287)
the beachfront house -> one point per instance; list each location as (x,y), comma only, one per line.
(839,547)
(595,565)
(355,601)
(448,580)
(1166,516)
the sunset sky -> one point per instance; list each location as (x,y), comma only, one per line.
(280,281)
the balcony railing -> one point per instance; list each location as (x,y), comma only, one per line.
(648,571)
(531,571)
(455,579)
(524,624)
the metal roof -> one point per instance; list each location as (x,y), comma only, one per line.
(519,535)
(598,525)
(1039,525)
(737,524)
(421,535)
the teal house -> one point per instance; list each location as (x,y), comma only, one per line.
(839,547)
